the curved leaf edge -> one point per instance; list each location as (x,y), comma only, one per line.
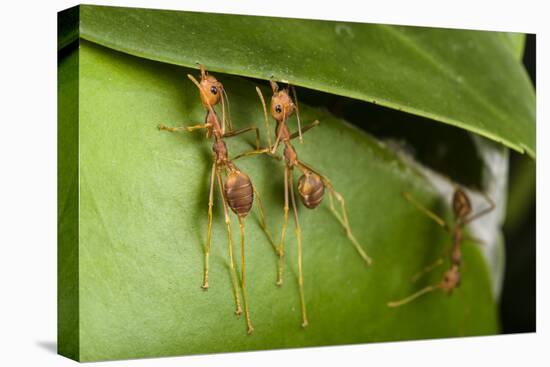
(520,148)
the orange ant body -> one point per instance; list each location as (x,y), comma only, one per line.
(237,191)
(462,209)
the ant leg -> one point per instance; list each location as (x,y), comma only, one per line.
(226,118)
(484,211)
(229,122)
(427,269)
(246,129)
(439,261)
(306,128)
(249,326)
(266,121)
(280,133)
(197,127)
(273,149)
(283,230)
(414,296)
(262,220)
(238,309)
(299,238)
(209,235)
(343,217)
(344,221)
(188,128)
(256,152)
(436,218)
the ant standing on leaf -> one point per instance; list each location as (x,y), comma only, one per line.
(237,192)
(311,185)
(462,209)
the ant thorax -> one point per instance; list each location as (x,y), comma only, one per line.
(282,130)
(213,122)
(290,155)
(220,151)
(457,235)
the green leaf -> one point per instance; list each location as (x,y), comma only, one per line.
(67,206)
(67,27)
(516,42)
(469,79)
(143,199)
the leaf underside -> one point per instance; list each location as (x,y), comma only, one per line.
(469,79)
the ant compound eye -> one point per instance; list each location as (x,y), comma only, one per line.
(214,90)
(278,108)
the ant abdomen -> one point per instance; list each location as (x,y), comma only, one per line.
(239,193)
(461,204)
(311,189)
(451,279)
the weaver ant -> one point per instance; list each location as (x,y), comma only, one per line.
(237,192)
(462,210)
(311,185)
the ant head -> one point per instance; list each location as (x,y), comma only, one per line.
(451,279)
(281,104)
(461,204)
(211,89)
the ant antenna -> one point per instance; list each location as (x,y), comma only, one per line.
(487,210)
(229,123)
(279,134)
(223,115)
(297,113)
(424,210)
(267,129)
